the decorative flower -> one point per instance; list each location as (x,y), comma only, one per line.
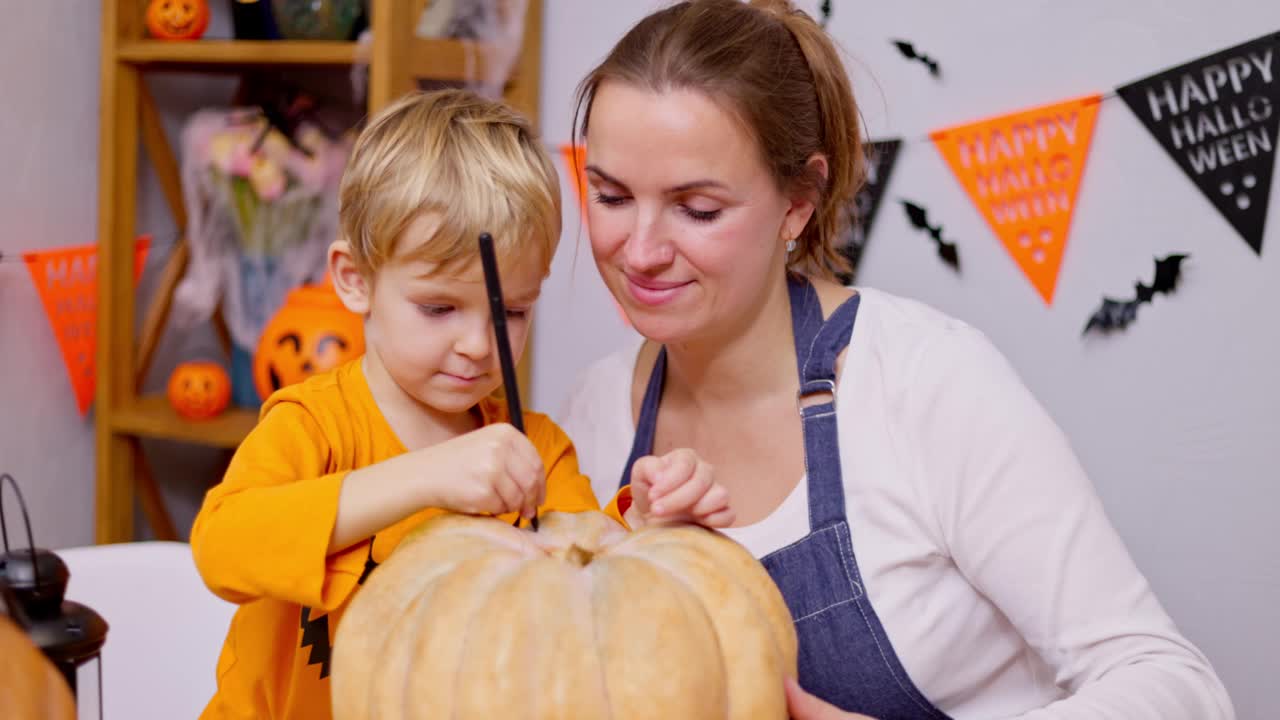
(267,177)
(242,161)
(276,146)
(221,147)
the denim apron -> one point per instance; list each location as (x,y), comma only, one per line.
(845,655)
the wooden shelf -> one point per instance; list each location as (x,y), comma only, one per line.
(440,59)
(152,416)
(237,52)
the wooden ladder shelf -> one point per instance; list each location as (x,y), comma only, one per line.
(130,121)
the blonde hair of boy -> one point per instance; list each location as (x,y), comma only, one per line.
(475,163)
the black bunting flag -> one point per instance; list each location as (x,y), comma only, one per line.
(1218,117)
(881,155)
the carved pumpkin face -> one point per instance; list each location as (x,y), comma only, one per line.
(177,19)
(199,390)
(313,332)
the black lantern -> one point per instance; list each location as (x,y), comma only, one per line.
(33,583)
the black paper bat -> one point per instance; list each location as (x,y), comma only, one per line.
(1115,314)
(919,218)
(909,51)
(825,9)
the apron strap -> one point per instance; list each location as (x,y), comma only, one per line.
(818,420)
(647,423)
(806,317)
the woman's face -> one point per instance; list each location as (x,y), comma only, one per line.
(687,225)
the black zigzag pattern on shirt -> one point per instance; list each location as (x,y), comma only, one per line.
(315,633)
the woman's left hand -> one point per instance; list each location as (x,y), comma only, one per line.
(803,706)
(677,487)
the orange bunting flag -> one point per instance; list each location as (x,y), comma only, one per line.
(67,281)
(1023,171)
(575,162)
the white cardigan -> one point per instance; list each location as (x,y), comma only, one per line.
(983,546)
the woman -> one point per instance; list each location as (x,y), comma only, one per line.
(940,547)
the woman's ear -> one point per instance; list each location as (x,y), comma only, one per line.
(353,289)
(803,202)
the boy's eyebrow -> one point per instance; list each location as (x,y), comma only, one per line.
(681,188)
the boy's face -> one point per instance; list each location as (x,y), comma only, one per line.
(431,329)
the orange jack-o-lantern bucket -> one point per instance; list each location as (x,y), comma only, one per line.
(311,333)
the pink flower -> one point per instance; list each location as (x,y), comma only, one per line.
(242,161)
(221,146)
(229,151)
(267,178)
(276,146)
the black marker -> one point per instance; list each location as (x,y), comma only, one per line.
(498,310)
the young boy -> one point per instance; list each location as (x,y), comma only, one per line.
(343,465)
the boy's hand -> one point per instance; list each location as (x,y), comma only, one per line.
(677,487)
(492,470)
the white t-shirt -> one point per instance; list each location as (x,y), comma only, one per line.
(984,547)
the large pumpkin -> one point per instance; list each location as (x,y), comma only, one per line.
(312,332)
(177,19)
(199,390)
(470,618)
(31,688)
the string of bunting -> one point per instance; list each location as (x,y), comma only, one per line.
(1216,117)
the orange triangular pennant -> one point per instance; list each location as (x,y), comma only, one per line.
(1023,171)
(67,281)
(575,162)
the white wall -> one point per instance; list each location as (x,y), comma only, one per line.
(49,66)
(1178,419)
(49,142)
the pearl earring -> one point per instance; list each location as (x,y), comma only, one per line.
(791,246)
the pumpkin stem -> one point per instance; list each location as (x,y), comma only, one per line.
(576,555)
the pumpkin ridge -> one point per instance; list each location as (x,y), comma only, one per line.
(587,583)
(679,580)
(497,596)
(379,599)
(467,624)
(505,612)
(683,568)
(412,617)
(772,603)
(616,578)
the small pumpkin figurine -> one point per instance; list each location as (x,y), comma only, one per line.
(177,19)
(199,390)
(311,333)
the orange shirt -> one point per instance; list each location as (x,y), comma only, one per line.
(261,537)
